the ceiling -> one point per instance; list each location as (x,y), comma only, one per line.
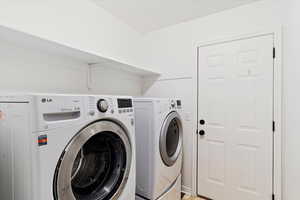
(149,15)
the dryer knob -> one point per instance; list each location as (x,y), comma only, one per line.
(173,104)
(102,105)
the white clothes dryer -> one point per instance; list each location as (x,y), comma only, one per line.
(159,148)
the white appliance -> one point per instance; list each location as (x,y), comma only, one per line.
(159,148)
(64,147)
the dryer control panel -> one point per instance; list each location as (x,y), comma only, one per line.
(179,104)
(175,104)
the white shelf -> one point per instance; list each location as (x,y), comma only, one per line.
(33,42)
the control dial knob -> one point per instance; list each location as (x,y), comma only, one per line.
(102,105)
(173,104)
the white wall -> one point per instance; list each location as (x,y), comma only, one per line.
(30,70)
(292,97)
(113,81)
(173,52)
(79,24)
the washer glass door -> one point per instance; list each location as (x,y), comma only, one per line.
(171,139)
(95,164)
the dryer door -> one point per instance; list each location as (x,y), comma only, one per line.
(171,139)
(95,164)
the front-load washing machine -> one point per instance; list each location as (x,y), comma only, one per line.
(159,148)
(67,147)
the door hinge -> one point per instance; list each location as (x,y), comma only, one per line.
(197,132)
(273,126)
(273,196)
(274,52)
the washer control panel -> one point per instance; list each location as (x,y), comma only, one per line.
(108,105)
(124,105)
(99,105)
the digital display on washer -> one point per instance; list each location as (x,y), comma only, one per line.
(124,103)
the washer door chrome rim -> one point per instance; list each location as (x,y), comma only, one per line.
(64,175)
(170,157)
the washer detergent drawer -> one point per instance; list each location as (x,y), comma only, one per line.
(58,111)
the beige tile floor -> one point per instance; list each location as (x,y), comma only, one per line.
(186,197)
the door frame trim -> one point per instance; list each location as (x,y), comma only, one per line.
(279,137)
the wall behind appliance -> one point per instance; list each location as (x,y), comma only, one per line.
(291,98)
(114,81)
(80,24)
(173,51)
(29,70)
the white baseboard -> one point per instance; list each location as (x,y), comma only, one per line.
(186,190)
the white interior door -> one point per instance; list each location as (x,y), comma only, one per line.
(235,140)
